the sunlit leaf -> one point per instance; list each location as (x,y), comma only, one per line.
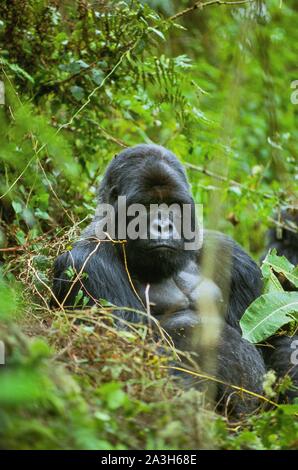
(267,314)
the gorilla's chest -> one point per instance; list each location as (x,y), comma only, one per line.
(178,293)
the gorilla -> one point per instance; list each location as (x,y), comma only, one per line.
(158,265)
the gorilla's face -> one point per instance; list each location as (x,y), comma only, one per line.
(158,206)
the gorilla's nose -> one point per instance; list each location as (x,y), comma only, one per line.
(162,228)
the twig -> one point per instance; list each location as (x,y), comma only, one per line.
(129,276)
(200,5)
(13,248)
(107,135)
(47,287)
(79,273)
(284,225)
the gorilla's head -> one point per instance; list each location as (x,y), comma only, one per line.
(149,185)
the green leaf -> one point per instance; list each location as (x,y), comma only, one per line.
(289,409)
(17,70)
(21,237)
(272,284)
(281,265)
(113,395)
(157,32)
(77,92)
(105,303)
(97,76)
(70,272)
(42,214)
(267,314)
(78,298)
(17,207)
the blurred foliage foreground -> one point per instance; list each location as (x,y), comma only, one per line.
(83,80)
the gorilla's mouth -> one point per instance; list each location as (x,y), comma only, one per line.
(162,247)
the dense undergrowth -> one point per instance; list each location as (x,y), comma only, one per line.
(82,82)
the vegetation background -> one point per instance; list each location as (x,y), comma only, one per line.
(84,79)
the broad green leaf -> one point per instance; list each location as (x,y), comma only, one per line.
(267,314)
(281,265)
(272,284)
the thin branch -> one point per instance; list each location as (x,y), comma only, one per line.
(78,275)
(13,248)
(107,135)
(200,5)
(129,276)
(203,170)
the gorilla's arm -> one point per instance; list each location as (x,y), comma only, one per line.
(102,276)
(238,364)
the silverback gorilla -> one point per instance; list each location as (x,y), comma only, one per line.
(150,174)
